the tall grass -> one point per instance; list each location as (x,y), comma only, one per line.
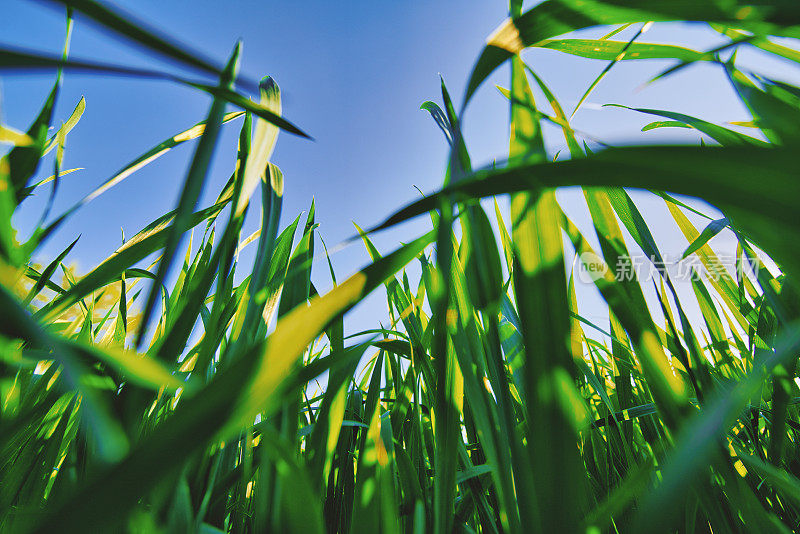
(484,401)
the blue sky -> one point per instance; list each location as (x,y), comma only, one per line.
(353,75)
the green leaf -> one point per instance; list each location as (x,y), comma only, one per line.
(301,325)
(719,134)
(148,240)
(11,59)
(557,17)
(719,175)
(263,142)
(23,161)
(153,154)
(192,188)
(712,229)
(612,50)
(137,32)
(698,441)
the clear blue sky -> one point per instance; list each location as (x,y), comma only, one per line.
(353,75)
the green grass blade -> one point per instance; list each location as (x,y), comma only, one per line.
(557,17)
(192,189)
(137,32)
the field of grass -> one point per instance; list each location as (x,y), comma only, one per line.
(483,401)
